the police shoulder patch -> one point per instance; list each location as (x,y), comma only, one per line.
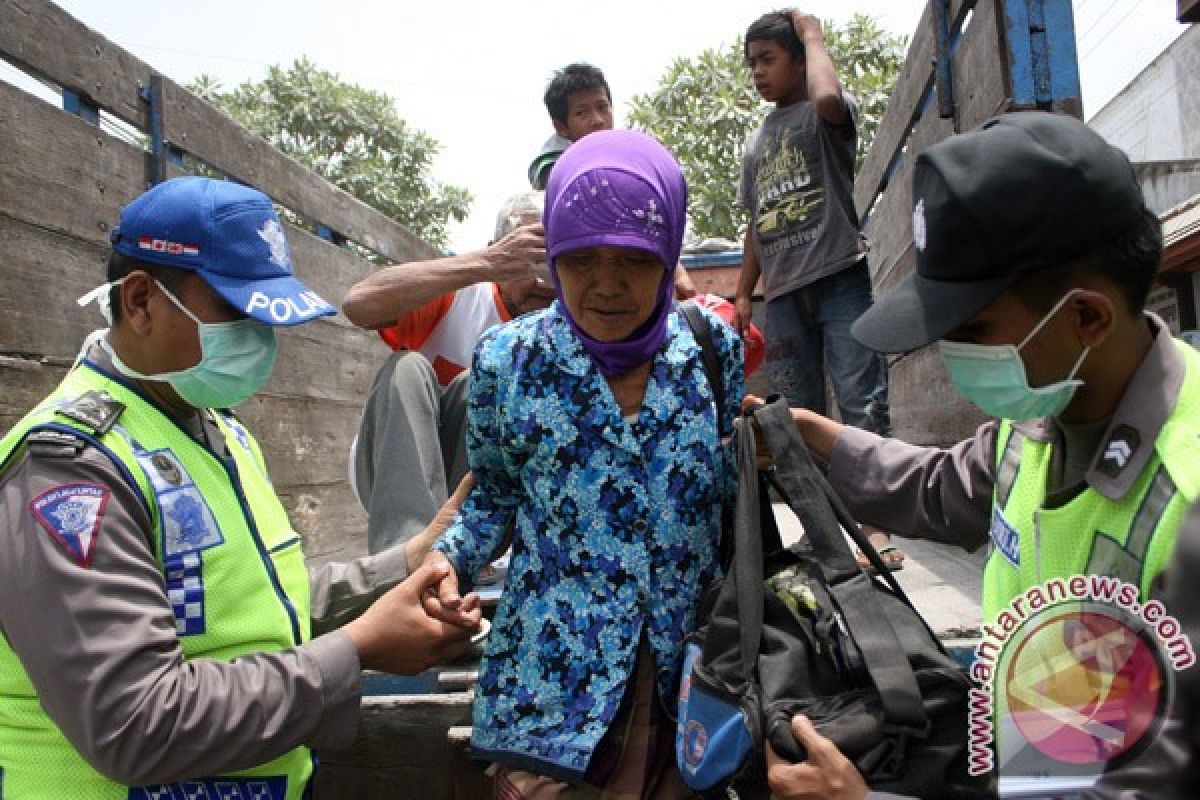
(71,513)
(96,409)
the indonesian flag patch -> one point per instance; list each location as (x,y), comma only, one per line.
(71,514)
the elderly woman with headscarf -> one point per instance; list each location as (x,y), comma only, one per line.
(593,433)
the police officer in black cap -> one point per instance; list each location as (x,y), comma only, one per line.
(1035,253)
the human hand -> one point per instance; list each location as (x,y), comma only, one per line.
(742,313)
(441,599)
(416,547)
(396,635)
(685,289)
(805,23)
(827,774)
(517,254)
(763,459)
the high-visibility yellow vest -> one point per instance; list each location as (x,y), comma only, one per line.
(1131,538)
(232,564)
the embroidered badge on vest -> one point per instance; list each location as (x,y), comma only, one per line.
(95,409)
(185,591)
(71,514)
(188,525)
(1006,538)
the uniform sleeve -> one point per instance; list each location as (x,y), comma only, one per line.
(90,621)
(480,528)
(340,592)
(920,492)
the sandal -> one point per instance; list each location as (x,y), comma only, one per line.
(891,555)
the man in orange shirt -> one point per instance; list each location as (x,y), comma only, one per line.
(410,448)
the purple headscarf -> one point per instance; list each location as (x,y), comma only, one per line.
(620,189)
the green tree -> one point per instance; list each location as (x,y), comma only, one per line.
(706,106)
(349,135)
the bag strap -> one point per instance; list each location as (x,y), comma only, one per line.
(708,355)
(811,499)
(746,573)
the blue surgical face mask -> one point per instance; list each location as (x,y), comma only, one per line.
(993,376)
(236,358)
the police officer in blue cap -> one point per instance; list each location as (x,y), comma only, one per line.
(161,634)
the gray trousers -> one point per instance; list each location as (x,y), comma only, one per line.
(411,448)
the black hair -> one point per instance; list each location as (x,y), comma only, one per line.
(774,26)
(572,78)
(120,265)
(1130,260)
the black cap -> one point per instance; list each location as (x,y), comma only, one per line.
(1025,191)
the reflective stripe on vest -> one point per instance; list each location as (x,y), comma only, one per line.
(234,573)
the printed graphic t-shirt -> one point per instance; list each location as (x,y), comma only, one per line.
(446,329)
(798,185)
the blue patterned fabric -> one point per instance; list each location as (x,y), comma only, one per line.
(616,529)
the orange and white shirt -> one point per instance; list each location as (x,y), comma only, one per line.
(446,329)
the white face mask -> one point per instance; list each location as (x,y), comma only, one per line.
(993,376)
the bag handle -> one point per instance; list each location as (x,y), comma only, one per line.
(809,498)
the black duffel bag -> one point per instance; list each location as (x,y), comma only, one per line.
(824,639)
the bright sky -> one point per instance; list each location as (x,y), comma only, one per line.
(471,72)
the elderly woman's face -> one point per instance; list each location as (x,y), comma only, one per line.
(610,291)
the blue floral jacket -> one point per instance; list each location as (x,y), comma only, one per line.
(616,528)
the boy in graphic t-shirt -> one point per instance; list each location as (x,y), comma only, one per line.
(803,239)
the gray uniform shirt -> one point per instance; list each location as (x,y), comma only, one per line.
(798,185)
(100,646)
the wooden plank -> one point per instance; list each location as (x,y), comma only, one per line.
(201,129)
(926,408)
(44,272)
(44,40)
(901,111)
(304,439)
(979,93)
(326,268)
(23,384)
(904,107)
(980,68)
(329,518)
(60,173)
(890,227)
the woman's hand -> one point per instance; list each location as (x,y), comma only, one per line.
(397,635)
(442,601)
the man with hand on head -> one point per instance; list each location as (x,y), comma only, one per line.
(410,449)
(156,612)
